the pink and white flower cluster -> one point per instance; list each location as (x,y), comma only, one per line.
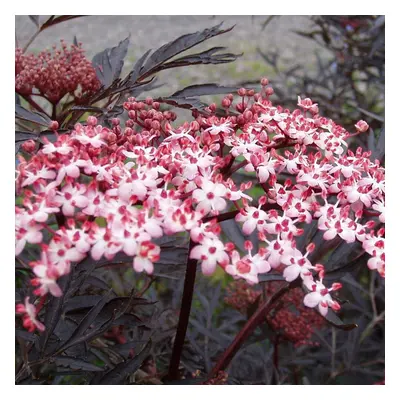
(97,192)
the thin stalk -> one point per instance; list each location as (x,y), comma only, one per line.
(188,288)
(54,112)
(235,168)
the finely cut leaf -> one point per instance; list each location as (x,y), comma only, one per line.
(180,45)
(202,90)
(108,63)
(75,364)
(123,370)
(37,118)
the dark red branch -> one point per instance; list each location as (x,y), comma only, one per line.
(188,288)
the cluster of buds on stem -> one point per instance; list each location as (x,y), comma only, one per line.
(289,319)
(54,74)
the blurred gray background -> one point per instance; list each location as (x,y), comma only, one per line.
(150,32)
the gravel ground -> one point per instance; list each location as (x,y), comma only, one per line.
(99,32)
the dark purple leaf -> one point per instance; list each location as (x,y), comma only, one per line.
(335,321)
(22,136)
(34,19)
(97,282)
(138,90)
(134,75)
(88,336)
(36,117)
(125,348)
(202,90)
(205,57)
(53,20)
(187,103)
(89,108)
(79,302)
(337,273)
(118,374)
(180,45)
(108,63)
(53,311)
(75,363)
(233,232)
(86,322)
(23,334)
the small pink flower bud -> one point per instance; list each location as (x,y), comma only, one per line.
(262,200)
(194,126)
(361,126)
(226,103)
(128,131)
(269,91)
(115,121)
(91,121)
(248,245)
(264,82)
(336,286)
(242,92)
(29,146)
(311,247)
(229,246)
(370,224)
(248,115)
(155,125)
(240,107)
(53,125)
(111,137)
(319,267)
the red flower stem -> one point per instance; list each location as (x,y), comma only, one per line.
(60,218)
(248,329)
(54,111)
(235,168)
(227,167)
(187,296)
